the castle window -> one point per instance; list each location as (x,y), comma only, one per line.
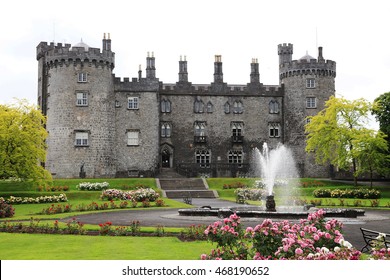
(210,107)
(310,83)
(226,108)
(237,132)
(165,130)
(236,157)
(274,107)
(198,106)
(237,107)
(165,106)
(81,139)
(132,103)
(200,132)
(203,158)
(82,77)
(82,99)
(132,138)
(274,130)
(311,102)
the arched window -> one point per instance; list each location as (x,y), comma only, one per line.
(165,106)
(210,107)
(166,130)
(237,107)
(274,107)
(198,106)
(226,108)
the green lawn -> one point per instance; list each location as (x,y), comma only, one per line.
(40,246)
(15,246)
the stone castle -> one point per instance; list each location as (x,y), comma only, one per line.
(100,125)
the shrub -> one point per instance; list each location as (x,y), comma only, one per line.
(53,188)
(6,209)
(56,209)
(348,193)
(160,203)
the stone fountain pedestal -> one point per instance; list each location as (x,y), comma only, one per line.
(270,205)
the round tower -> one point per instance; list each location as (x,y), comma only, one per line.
(76,93)
(308,83)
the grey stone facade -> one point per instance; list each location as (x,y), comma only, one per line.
(108,126)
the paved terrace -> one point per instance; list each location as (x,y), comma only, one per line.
(378,220)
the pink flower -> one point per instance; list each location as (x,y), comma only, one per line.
(203,257)
(298,251)
(316,237)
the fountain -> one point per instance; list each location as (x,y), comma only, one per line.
(273,167)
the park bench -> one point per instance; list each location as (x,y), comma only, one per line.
(371,238)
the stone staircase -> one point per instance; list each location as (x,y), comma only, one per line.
(180,187)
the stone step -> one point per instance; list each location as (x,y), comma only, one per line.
(169,173)
(186,183)
(190,193)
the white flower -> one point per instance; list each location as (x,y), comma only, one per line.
(324,250)
(337,249)
(345,243)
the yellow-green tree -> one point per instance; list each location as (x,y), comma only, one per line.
(22,142)
(339,135)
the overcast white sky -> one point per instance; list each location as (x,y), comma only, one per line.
(355,34)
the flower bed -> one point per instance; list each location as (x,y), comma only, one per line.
(138,195)
(348,193)
(313,238)
(87,186)
(40,199)
(244,194)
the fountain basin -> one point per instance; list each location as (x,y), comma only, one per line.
(260,212)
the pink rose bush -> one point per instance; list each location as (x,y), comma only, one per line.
(313,238)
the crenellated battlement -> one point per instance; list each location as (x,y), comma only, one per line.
(207,89)
(305,67)
(58,55)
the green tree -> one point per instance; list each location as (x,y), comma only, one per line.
(22,142)
(381,110)
(338,134)
(371,153)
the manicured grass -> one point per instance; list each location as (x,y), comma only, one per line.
(74,247)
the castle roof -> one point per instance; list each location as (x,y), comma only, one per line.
(306,57)
(82,45)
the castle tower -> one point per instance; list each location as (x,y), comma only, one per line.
(285,52)
(308,84)
(75,92)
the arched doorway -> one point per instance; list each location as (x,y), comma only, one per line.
(166,156)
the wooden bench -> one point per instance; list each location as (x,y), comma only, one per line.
(371,238)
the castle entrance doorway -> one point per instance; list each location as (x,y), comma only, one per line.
(166,157)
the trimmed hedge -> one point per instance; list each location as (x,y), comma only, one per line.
(348,193)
